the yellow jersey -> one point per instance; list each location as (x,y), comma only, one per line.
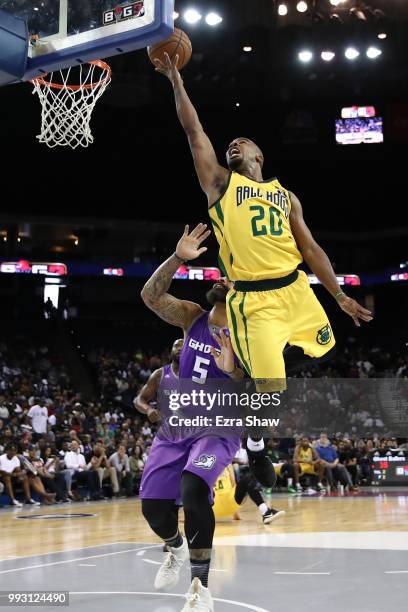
(251,224)
(223,484)
(305,454)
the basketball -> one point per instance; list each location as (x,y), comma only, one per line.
(178,44)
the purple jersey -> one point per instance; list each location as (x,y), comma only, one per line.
(196,361)
(169,383)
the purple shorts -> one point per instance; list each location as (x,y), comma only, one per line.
(207,457)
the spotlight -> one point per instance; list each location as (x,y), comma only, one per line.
(282,10)
(237,104)
(192,16)
(336,2)
(76,241)
(382,35)
(5,238)
(373,52)
(213,19)
(327,56)
(247,49)
(302,6)
(358,14)
(351,53)
(19,239)
(305,56)
(176,15)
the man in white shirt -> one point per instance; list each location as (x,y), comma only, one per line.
(76,464)
(38,417)
(120,461)
(10,469)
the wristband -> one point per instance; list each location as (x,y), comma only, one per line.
(183,261)
(339,294)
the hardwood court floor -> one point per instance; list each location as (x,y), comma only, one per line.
(307,520)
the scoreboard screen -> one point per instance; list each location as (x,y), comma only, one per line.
(390,469)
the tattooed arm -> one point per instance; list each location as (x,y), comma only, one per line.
(154,294)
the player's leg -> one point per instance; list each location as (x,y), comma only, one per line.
(159,489)
(258,332)
(247,485)
(208,458)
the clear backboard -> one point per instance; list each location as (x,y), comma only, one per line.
(69,32)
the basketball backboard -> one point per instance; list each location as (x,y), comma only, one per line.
(69,32)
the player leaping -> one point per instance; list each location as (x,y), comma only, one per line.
(263,238)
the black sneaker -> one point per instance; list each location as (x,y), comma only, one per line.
(262,468)
(272,515)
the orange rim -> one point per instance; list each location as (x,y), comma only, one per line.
(100,63)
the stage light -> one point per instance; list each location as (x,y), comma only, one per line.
(192,16)
(336,2)
(19,239)
(247,49)
(382,35)
(327,56)
(351,53)
(301,6)
(305,56)
(176,15)
(358,14)
(237,104)
(282,10)
(373,52)
(213,19)
(76,241)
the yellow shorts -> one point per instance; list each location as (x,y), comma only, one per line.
(306,468)
(278,468)
(225,504)
(261,323)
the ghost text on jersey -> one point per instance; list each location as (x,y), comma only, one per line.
(277,197)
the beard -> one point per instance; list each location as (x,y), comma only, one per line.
(175,357)
(217,295)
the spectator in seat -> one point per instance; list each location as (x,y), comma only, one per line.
(75,463)
(10,470)
(306,461)
(120,461)
(137,465)
(38,419)
(53,482)
(101,464)
(330,465)
(348,458)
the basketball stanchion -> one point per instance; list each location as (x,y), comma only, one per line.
(67,106)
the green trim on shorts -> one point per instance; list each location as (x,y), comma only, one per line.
(241,310)
(235,331)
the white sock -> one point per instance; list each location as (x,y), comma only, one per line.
(263,508)
(290,481)
(255,445)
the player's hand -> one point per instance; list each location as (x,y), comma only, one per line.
(153,415)
(168,68)
(224,357)
(189,244)
(355,310)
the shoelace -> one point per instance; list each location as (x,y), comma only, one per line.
(170,562)
(192,598)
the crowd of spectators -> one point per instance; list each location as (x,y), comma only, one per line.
(68,447)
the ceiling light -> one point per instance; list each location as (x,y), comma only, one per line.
(237,104)
(382,35)
(351,53)
(301,6)
(282,10)
(373,52)
(336,2)
(192,16)
(176,15)
(247,49)
(305,56)
(327,56)
(213,19)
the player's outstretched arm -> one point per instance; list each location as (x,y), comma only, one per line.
(147,394)
(211,175)
(154,294)
(320,265)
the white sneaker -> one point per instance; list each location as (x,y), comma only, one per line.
(311,491)
(169,573)
(17,504)
(198,598)
(299,488)
(32,502)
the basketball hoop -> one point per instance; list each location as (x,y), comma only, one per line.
(67,108)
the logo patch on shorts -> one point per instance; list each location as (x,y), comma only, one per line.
(205,461)
(324,335)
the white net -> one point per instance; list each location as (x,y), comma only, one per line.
(67,107)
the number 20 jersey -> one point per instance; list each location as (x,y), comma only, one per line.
(251,224)
(196,361)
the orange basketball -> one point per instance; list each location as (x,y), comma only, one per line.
(178,44)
